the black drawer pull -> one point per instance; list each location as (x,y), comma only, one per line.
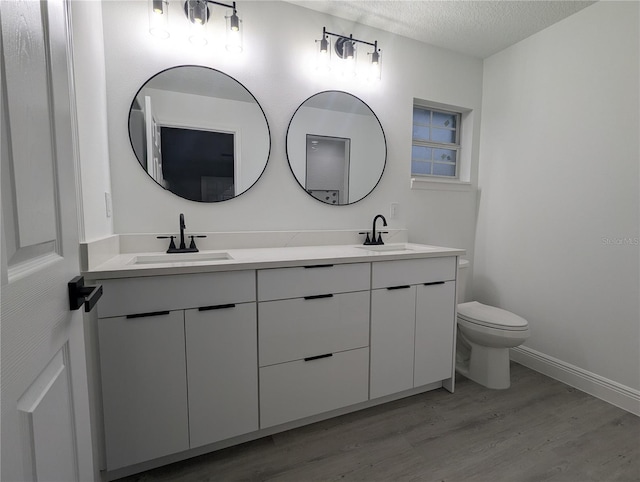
(144,315)
(217,307)
(318,266)
(399,287)
(317,297)
(326,355)
(434,283)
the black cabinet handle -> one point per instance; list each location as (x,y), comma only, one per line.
(318,266)
(399,287)
(79,294)
(216,307)
(145,315)
(310,358)
(317,297)
(434,283)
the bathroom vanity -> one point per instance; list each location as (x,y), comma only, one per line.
(210,350)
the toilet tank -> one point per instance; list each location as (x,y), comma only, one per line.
(463,270)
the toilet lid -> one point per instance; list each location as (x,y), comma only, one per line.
(491,316)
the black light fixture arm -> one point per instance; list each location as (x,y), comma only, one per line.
(233,6)
(325,32)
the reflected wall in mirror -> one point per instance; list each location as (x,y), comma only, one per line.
(336,147)
(199,133)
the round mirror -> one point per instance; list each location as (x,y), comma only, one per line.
(199,133)
(336,147)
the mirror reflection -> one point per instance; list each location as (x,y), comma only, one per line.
(336,147)
(199,133)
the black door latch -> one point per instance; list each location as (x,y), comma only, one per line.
(79,294)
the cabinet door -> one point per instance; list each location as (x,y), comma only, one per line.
(144,387)
(392,338)
(222,363)
(435,325)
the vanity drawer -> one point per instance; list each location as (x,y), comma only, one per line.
(413,271)
(298,328)
(282,283)
(164,293)
(299,389)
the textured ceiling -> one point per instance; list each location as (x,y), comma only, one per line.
(475,28)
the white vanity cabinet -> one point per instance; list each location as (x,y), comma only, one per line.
(412,323)
(313,334)
(178,358)
(202,360)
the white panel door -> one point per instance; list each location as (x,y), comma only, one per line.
(45,434)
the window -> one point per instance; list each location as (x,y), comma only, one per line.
(435,149)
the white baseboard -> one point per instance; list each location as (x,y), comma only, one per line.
(612,392)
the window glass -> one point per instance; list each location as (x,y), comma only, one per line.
(443,135)
(419,167)
(444,169)
(443,119)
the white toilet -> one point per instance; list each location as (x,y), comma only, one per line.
(485,334)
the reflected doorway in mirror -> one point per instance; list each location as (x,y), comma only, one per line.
(327,173)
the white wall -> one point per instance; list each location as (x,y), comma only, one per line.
(275,66)
(559,190)
(91,108)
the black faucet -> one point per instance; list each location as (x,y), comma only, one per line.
(374,240)
(183,247)
(182,226)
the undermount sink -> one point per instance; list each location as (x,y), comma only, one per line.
(387,247)
(179,258)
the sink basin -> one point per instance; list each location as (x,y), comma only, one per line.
(387,247)
(179,258)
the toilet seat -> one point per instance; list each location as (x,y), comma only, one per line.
(491,317)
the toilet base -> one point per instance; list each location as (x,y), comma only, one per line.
(484,365)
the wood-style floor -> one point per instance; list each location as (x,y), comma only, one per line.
(538,430)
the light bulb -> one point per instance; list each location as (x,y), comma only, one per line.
(234,22)
(197,14)
(323,57)
(159,18)
(350,63)
(234,33)
(348,50)
(324,45)
(375,71)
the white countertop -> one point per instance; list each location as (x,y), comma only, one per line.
(126,266)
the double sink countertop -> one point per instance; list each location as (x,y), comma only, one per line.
(131,265)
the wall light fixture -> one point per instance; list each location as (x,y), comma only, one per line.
(159,18)
(197,13)
(345,49)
